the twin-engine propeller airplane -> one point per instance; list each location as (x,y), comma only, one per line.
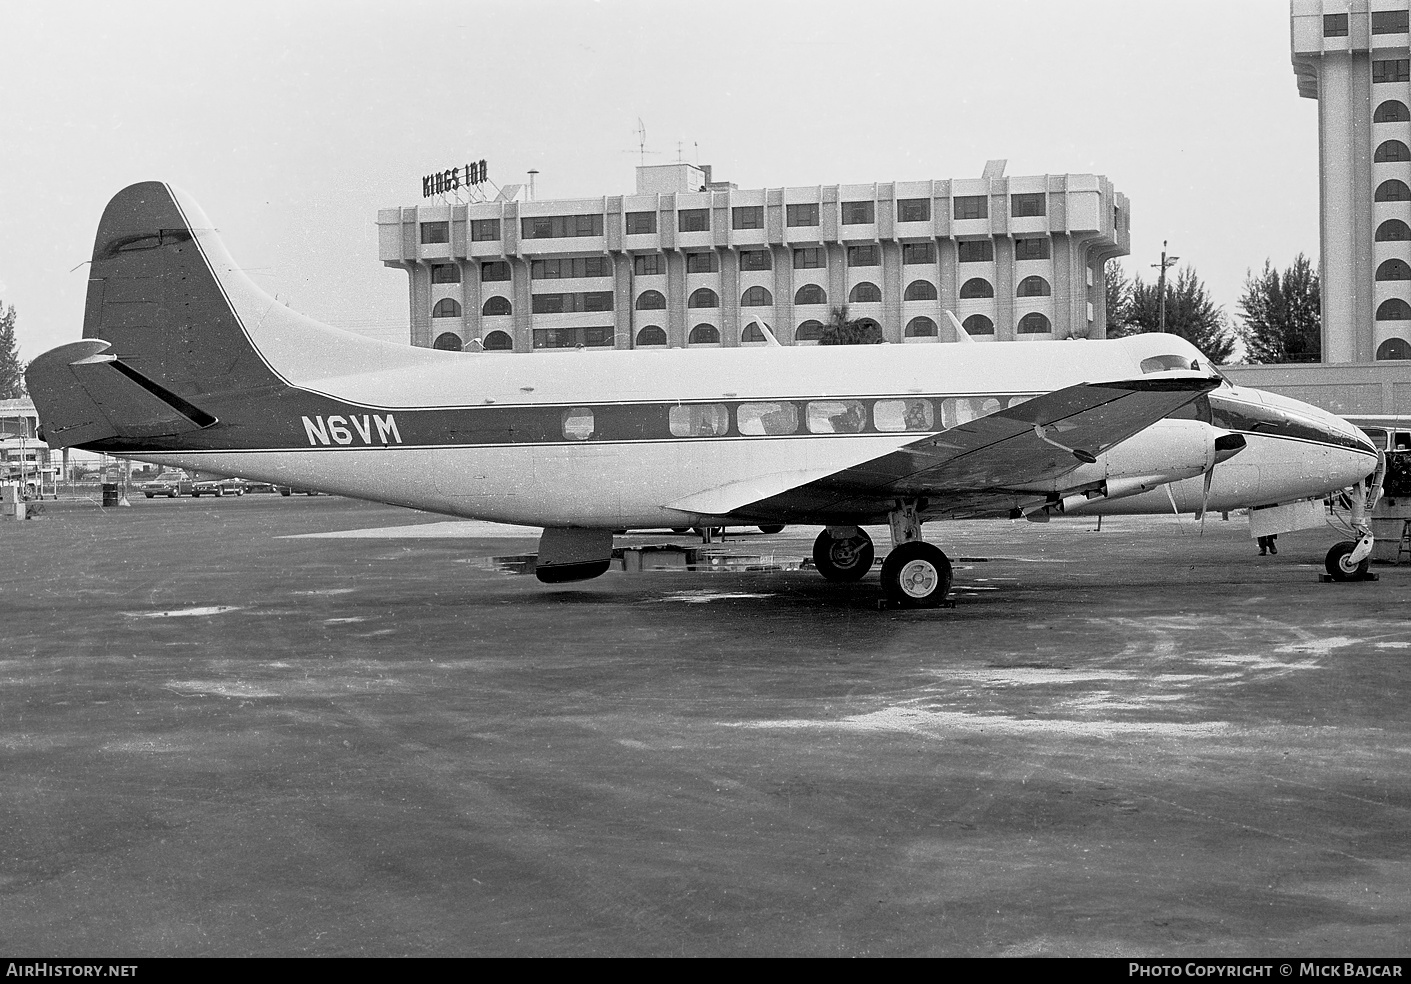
(186,363)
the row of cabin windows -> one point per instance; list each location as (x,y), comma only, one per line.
(1383,22)
(741,217)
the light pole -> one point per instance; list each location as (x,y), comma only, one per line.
(1166,261)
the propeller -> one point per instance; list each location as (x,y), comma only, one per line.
(1226,447)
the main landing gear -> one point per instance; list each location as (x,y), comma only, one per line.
(915,574)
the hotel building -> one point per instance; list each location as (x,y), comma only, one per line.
(687,261)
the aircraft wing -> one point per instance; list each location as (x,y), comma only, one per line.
(1035,442)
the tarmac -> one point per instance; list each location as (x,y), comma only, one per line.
(227,731)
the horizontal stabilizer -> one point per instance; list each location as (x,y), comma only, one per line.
(83,395)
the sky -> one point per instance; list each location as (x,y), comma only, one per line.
(292,123)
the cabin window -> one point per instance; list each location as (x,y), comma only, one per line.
(893,416)
(1161,363)
(766,419)
(962,410)
(578,424)
(699,420)
(836,416)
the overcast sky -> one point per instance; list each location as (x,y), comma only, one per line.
(292,123)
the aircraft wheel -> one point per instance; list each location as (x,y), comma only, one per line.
(843,560)
(916,575)
(1337,565)
(772,529)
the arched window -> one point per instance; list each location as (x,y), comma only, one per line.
(1393,231)
(810,294)
(865,293)
(1394,309)
(1391,111)
(977,287)
(920,290)
(651,300)
(921,328)
(447,341)
(1393,191)
(1033,287)
(752,333)
(497,341)
(978,324)
(704,335)
(1391,151)
(757,297)
(446,308)
(809,331)
(1394,270)
(1034,323)
(495,305)
(651,335)
(1393,348)
(703,297)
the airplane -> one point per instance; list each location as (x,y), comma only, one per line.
(186,363)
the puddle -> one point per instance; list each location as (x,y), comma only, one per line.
(184,612)
(702,597)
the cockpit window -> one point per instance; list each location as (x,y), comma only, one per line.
(1162,363)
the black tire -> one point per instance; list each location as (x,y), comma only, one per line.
(220,493)
(149,494)
(284,491)
(772,529)
(916,575)
(171,495)
(1337,566)
(680,529)
(843,560)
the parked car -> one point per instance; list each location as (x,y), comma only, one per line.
(292,490)
(218,487)
(168,483)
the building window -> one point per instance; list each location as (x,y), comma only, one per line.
(572,302)
(1394,309)
(865,293)
(752,333)
(561,226)
(757,297)
(920,290)
(1028,205)
(809,258)
(1034,323)
(641,223)
(747,217)
(704,335)
(972,207)
(435,232)
(1334,25)
(978,324)
(913,210)
(1390,151)
(1388,22)
(484,230)
(1394,270)
(810,294)
(495,306)
(703,297)
(445,273)
(651,335)
(975,250)
(801,215)
(1391,111)
(1393,348)
(597,336)
(702,263)
(921,328)
(918,253)
(859,213)
(497,341)
(976,287)
(693,220)
(1033,287)
(1393,191)
(755,259)
(1031,249)
(447,341)
(446,308)
(809,331)
(864,256)
(498,270)
(571,267)
(649,265)
(1391,70)
(651,300)
(1393,231)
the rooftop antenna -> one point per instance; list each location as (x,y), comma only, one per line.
(642,150)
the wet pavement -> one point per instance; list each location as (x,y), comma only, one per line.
(226,731)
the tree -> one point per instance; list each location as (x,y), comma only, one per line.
(840,330)
(1190,313)
(11,368)
(1282,314)
(1119,300)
